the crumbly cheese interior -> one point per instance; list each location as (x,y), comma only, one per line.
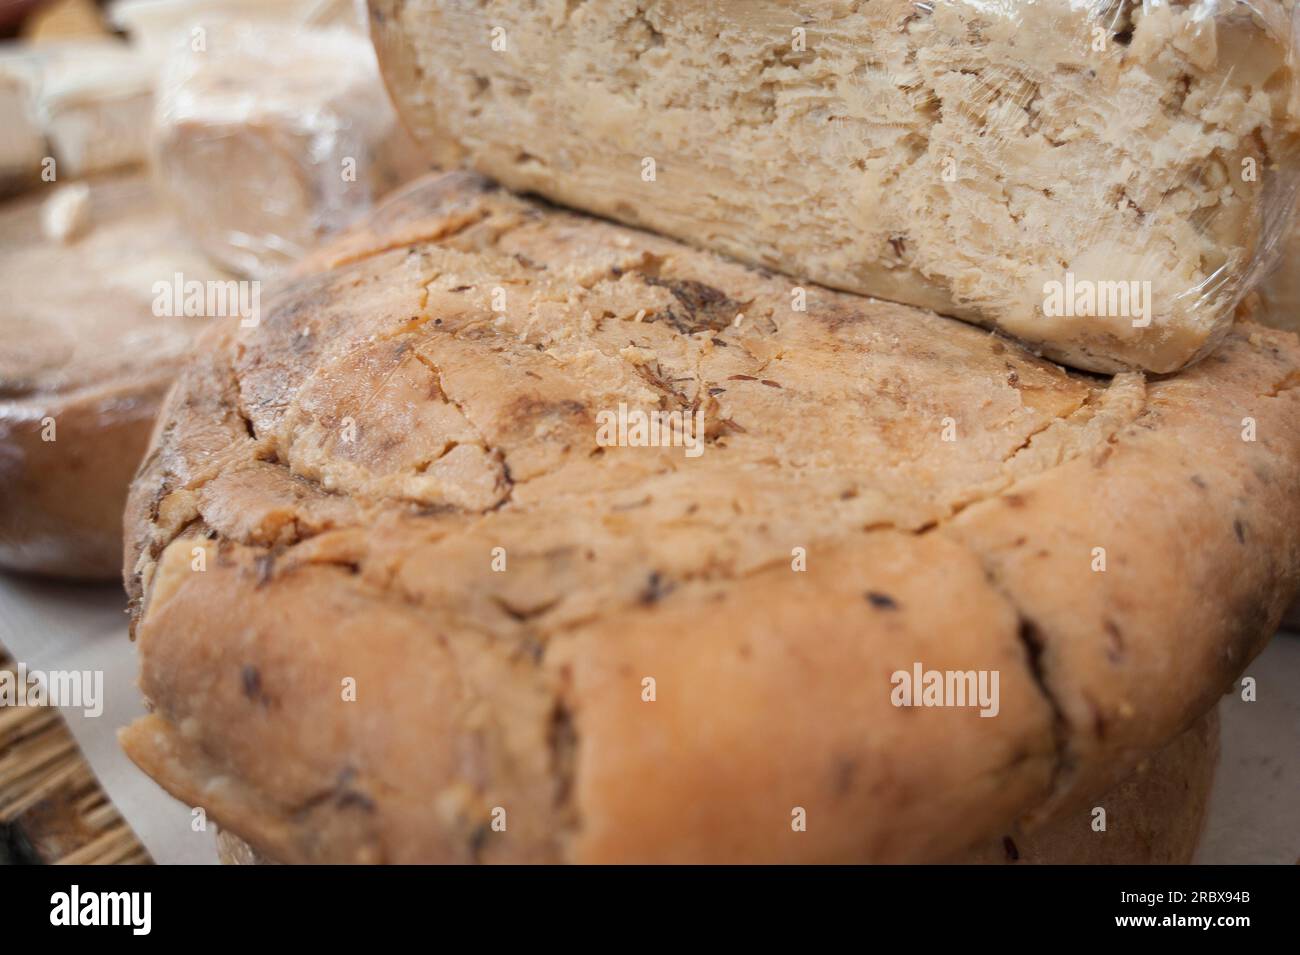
(954,155)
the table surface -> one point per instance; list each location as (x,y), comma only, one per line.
(1254,807)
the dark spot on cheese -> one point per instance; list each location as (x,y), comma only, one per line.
(351,799)
(881,601)
(1115,650)
(1099,724)
(845,771)
(656,589)
(1239,529)
(1013,500)
(699,307)
(1009,847)
(526,409)
(251,678)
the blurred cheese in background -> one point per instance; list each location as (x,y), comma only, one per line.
(155,25)
(87,103)
(23,144)
(266,120)
(95,101)
(65,216)
(272,136)
(64,19)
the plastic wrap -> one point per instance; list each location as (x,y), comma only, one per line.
(1280,301)
(84,364)
(1104,180)
(270,137)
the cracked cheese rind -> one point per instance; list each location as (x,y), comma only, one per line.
(954,155)
(345,472)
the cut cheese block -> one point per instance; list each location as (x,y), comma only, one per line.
(271,138)
(1094,183)
(84,363)
(429,476)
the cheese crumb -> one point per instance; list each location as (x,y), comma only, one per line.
(65,215)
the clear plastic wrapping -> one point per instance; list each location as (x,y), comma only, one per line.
(1104,179)
(268,137)
(1280,296)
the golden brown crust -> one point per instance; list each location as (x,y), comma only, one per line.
(343,473)
(1153,817)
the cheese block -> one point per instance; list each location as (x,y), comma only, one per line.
(1093,179)
(92,102)
(96,101)
(84,362)
(23,145)
(270,138)
(675,563)
(155,26)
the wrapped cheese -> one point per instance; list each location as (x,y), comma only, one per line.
(271,137)
(1095,178)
